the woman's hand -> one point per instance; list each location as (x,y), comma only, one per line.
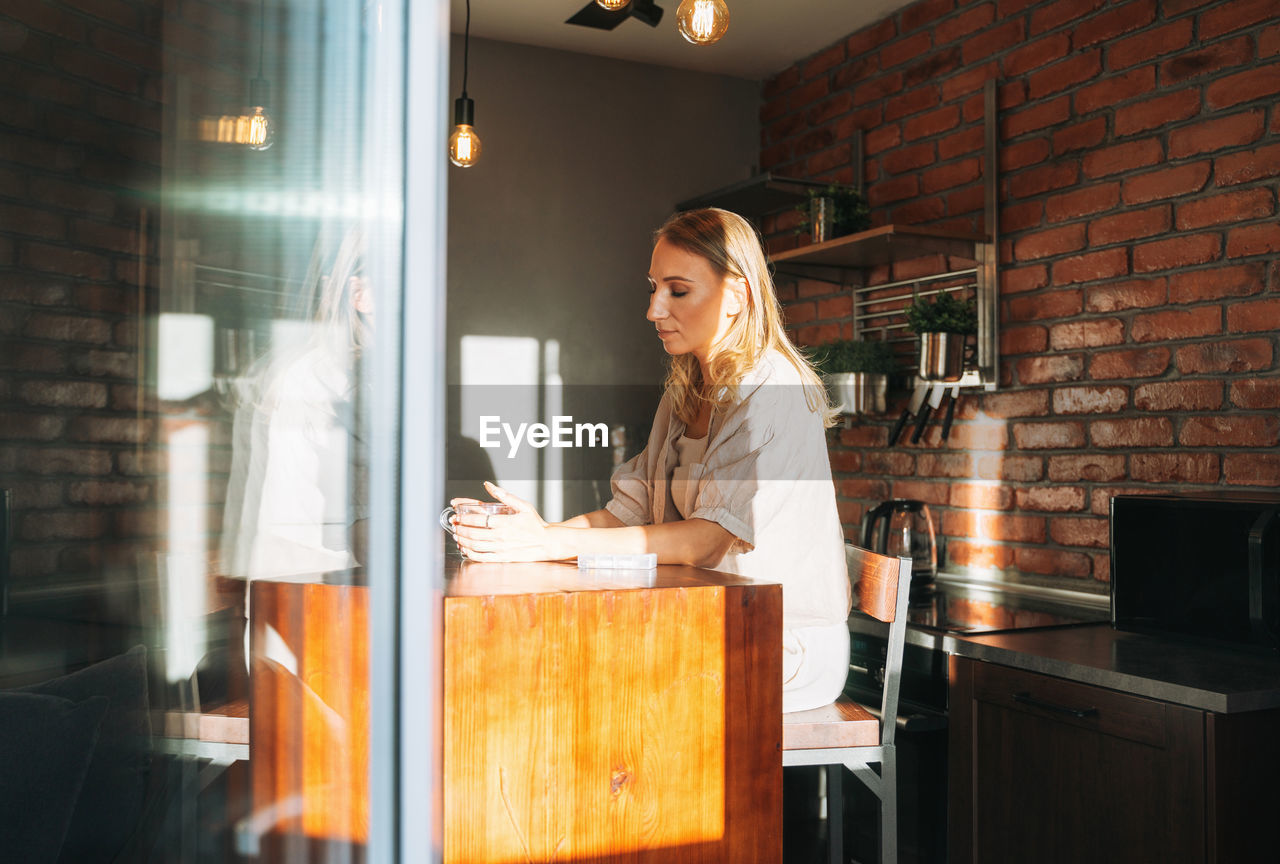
(519,536)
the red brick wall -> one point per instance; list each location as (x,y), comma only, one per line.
(80,155)
(1139,153)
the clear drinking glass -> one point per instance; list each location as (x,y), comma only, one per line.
(487,508)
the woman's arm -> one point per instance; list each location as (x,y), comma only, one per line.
(594,519)
(690,541)
(525,537)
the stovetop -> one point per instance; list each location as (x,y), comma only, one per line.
(958,606)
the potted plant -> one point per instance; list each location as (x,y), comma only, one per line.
(944,325)
(856,373)
(832,211)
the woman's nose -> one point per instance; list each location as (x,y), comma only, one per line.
(657,309)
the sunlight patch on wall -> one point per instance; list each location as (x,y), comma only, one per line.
(185,365)
(499,377)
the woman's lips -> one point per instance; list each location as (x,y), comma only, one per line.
(663,334)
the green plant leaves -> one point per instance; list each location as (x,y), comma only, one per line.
(850,355)
(943,314)
(850,212)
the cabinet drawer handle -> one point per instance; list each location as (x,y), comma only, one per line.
(1080,713)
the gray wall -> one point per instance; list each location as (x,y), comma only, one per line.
(549,233)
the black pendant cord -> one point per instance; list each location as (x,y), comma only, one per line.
(262,32)
(466,49)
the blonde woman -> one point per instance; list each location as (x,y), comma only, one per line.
(295,499)
(735,476)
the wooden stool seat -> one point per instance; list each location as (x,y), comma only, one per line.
(227,723)
(841,724)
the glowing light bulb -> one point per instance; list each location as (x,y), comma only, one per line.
(260,134)
(254,128)
(464,146)
(702,21)
(464,143)
(613,5)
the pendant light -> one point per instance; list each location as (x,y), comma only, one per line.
(613,5)
(258,132)
(702,21)
(464,143)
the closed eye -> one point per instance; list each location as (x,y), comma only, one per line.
(676,290)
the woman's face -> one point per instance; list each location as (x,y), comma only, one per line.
(689,303)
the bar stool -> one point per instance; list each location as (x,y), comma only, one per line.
(846,733)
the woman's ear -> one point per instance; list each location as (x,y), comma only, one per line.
(361,297)
(738,295)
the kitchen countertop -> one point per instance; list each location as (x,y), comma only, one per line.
(1068,634)
(1214,679)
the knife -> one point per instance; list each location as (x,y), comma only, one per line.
(922,419)
(951,412)
(917,399)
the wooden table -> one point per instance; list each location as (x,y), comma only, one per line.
(611,715)
(587,717)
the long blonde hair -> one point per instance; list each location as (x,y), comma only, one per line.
(734,250)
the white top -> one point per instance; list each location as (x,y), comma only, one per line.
(765,478)
(294,491)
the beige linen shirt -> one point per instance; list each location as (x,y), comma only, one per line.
(766,479)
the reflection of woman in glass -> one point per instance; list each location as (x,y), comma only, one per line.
(735,476)
(293,499)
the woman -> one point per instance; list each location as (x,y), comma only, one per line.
(296,495)
(735,476)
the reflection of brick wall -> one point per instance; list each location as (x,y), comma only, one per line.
(1139,151)
(79,161)
(82,144)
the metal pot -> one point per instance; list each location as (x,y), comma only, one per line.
(858,392)
(942,356)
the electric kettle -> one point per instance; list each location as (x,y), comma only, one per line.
(903,527)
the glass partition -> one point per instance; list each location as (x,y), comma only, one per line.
(202,483)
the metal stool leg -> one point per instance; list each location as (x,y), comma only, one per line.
(835,813)
(889,807)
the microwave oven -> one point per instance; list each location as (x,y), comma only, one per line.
(1198,567)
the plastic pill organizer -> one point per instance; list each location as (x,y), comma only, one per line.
(629,571)
(603,561)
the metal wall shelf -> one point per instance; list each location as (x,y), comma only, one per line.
(970,271)
(756,196)
(884,245)
(878,310)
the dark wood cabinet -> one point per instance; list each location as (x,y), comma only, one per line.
(1049,770)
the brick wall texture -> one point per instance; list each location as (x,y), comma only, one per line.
(1139,151)
(83,446)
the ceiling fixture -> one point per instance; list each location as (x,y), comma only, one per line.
(254,127)
(702,21)
(464,143)
(608,14)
